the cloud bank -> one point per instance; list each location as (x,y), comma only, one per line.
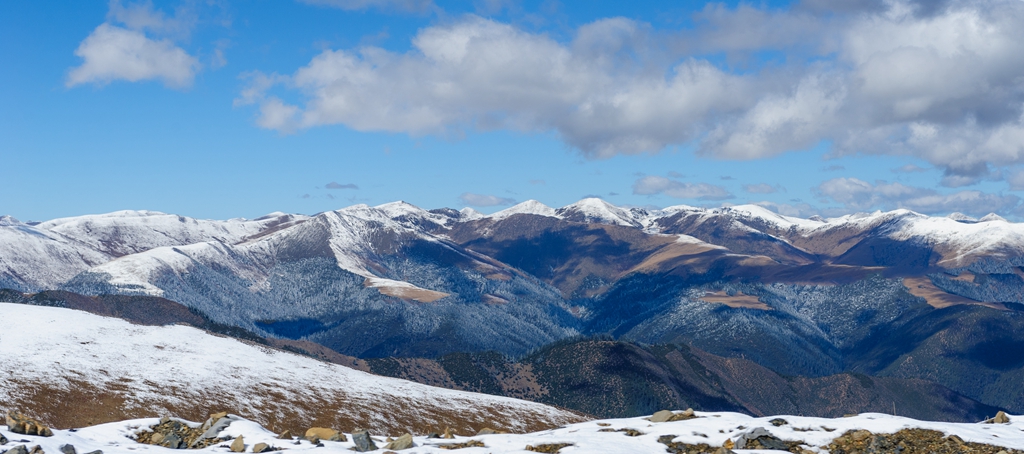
(942,82)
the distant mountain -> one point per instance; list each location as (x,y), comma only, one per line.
(802,297)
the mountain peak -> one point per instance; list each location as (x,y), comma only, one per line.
(528,207)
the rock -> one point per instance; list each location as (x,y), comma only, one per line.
(98,451)
(172,440)
(724,450)
(21,424)
(238,445)
(682,416)
(323,433)
(433,435)
(778,422)
(1000,418)
(489,431)
(157,438)
(448,433)
(36,450)
(3,439)
(20,449)
(212,431)
(550,448)
(363,441)
(286,435)
(860,435)
(661,416)
(260,447)
(400,443)
(758,438)
(215,416)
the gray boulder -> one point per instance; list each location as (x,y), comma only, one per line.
(363,441)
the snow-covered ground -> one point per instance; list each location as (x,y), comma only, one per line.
(156,368)
(713,429)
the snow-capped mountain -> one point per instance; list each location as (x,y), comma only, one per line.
(61,356)
(800,296)
(45,255)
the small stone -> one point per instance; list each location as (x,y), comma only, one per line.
(400,443)
(165,420)
(728,444)
(260,447)
(324,433)
(44,431)
(20,449)
(3,439)
(433,435)
(286,435)
(778,422)
(238,445)
(98,451)
(157,438)
(36,450)
(956,439)
(218,415)
(724,450)
(363,441)
(661,416)
(448,433)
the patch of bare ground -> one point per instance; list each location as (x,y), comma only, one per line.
(738,300)
(417,294)
(923,287)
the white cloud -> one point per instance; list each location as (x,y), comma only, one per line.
(114,53)
(941,82)
(481,200)
(651,185)
(400,5)
(855,194)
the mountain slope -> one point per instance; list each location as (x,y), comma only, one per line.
(74,368)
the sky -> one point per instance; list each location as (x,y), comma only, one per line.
(217,109)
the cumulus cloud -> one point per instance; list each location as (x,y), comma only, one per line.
(762,188)
(856,194)
(940,81)
(481,200)
(651,185)
(387,5)
(125,52)
(336,185)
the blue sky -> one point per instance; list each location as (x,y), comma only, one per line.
(219,109)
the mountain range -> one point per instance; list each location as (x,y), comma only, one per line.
(891,295)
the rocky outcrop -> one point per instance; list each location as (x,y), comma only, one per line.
(177,433)
(911,441)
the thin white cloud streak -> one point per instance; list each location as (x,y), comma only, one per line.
(386,5)
(482,200)
(945,86)
(652,185)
